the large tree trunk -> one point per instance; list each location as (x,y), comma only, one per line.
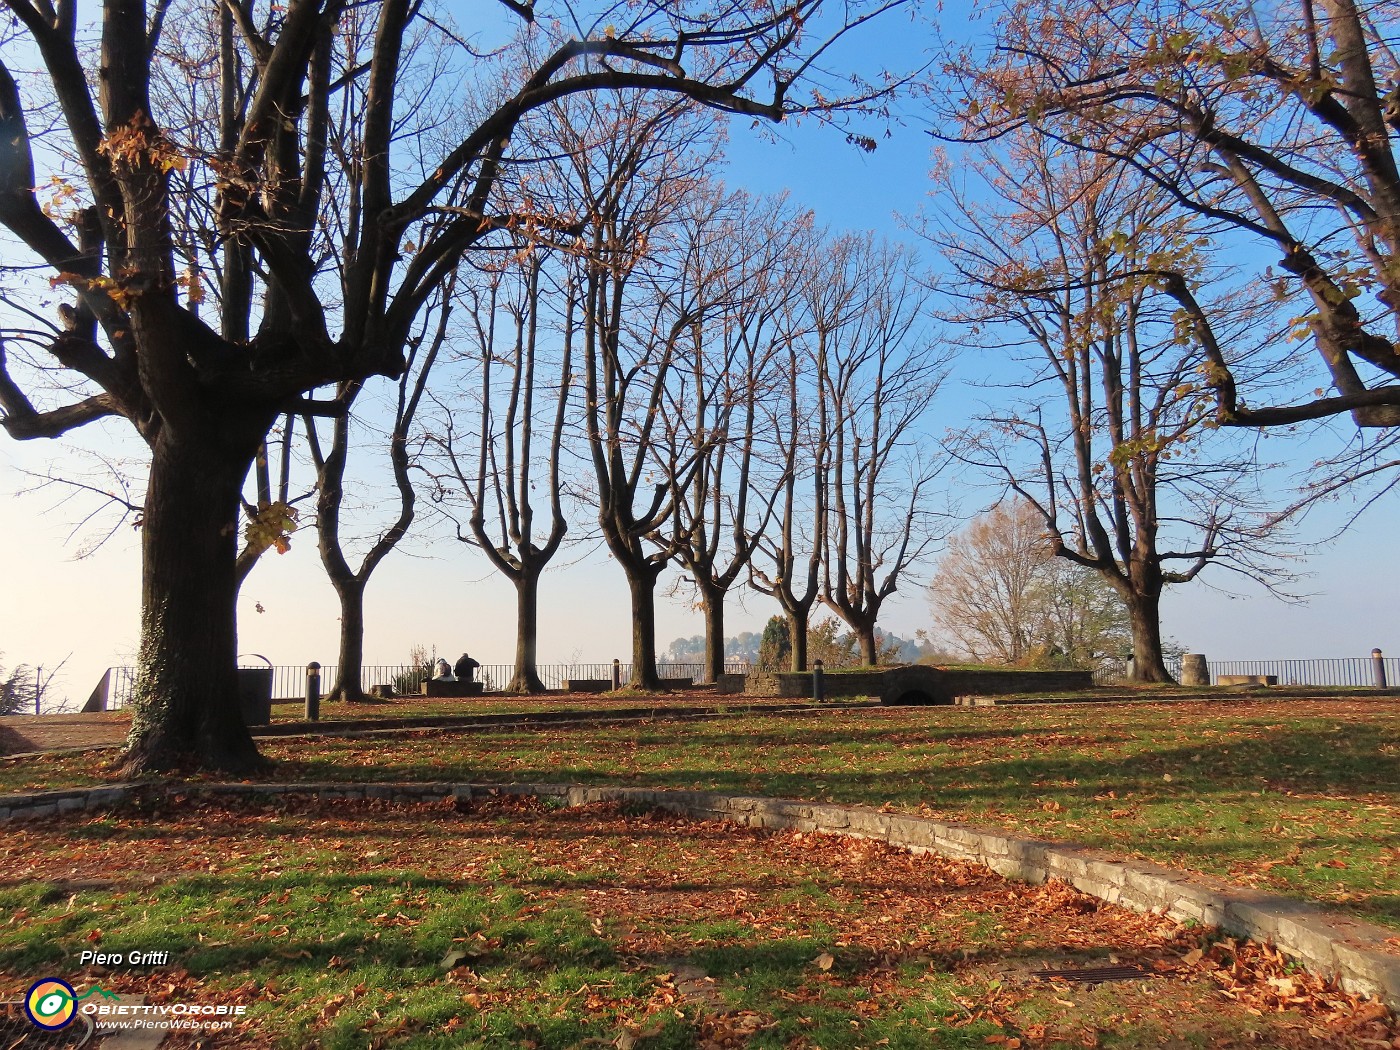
(642,584)
(869,652)
(1144,614)
(349,670)
(712,602)
(185,710)
(526,678)
(798,618)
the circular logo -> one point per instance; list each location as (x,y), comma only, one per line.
(51,1003)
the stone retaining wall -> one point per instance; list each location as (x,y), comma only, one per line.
(1000,683)
(1348,950)
(918,683)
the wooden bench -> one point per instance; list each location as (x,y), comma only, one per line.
(1247,679)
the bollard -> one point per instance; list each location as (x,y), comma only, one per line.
(617,674)
(1378,668)
(313,692)
(818,686)
(1194,670)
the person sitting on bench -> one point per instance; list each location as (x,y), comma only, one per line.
(465,668)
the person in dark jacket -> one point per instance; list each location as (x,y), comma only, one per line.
(465,668)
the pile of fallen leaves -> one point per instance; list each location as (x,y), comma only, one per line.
(1263,980)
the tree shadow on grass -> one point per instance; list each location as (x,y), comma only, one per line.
(545,940)
(806,737)
(1297,760)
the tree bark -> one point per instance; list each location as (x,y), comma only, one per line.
(642,584)
(797,635)
(186,710)
(526,678)
(869,651)
(712,602)
(1144,614)
(349,669)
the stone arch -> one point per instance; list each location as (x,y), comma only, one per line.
(914,685)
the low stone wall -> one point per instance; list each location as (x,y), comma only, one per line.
(1000,683)
(913,684)
(794,685)
(437,687)
(587,685)
(1350,951)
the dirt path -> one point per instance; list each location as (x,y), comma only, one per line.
(24,733)
(46,732)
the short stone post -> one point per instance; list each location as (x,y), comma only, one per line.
(1378,668)
(1194,670)
(818,685)
(313,692)
(617,674)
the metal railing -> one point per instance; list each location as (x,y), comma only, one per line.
(289,680)
(1115,672)
(1343,672)
(1338,672)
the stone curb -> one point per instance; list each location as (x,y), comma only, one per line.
(1349,951)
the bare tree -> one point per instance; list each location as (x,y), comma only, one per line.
(255,195)
(1000,594)
(716,407)
(983,593)
(790,569)
(1277,122)
(350,583)
(645,286)
(1112,445)
(878,371)
(499,482)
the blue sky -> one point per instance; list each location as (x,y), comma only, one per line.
(438,593)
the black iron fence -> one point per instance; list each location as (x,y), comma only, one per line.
(1341,672)
(1346,671)
(1115,672)
(289,680)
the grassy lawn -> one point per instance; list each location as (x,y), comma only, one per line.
(411,707)
(516,925)
(1298,797)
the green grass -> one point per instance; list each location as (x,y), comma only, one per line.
(1298,797)
(360,925)
(415,707)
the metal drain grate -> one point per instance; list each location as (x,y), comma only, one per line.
(1093,974)
(17,1033)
